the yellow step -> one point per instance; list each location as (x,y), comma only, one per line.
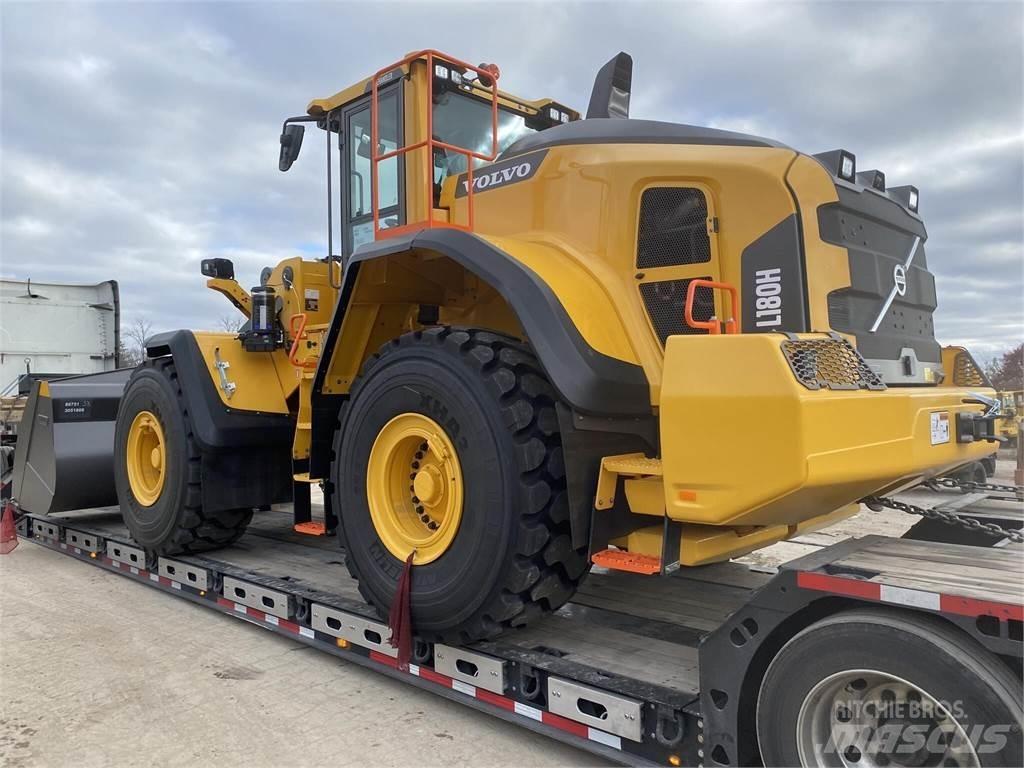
(632,464)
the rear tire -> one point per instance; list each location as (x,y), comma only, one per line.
(864,649)
(176,521)
(511,558)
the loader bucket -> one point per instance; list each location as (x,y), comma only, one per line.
(64,457)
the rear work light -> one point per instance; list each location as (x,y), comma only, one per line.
(839,163)
(873,179)
(907,195)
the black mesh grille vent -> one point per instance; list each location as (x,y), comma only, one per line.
(966,372)
(673,228)
(830,363)
(666,300)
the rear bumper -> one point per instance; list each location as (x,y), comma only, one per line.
(744,443)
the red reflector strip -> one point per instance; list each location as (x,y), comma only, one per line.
(557,721)
(435,677)
(493,698)
(966,606)
(385,660)
(838,585)
(224,603)
(869,590)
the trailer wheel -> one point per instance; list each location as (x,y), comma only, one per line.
(449,446)
(884,688)
(157,469)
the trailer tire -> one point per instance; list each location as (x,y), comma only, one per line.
(875,654)
(510,557)
(176,521)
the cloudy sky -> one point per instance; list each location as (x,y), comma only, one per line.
(137,139)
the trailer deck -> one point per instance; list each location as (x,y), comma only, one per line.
(638,669)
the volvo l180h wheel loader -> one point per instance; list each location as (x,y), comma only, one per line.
(544,341)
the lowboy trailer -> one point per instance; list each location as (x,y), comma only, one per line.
(708,666)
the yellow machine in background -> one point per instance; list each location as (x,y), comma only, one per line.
(1008,424)
(549,341)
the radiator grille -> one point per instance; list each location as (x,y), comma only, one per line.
(665,301)
(673,228)
(967,373)
(830,363)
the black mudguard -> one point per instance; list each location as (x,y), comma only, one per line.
(246,455)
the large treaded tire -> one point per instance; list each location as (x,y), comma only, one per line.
(949,665)
(512,558)
(176,523)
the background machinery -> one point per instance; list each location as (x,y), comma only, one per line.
(535,345)
(1008,425)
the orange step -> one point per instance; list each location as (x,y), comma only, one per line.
(314,528)
(617,560)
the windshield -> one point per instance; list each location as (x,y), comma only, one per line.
(464,121)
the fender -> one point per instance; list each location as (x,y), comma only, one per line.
(597,389)
(589,381)
(246,455)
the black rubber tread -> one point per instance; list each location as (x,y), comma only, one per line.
(910,641)
(197,530)
(545,570)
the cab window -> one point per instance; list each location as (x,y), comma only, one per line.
(360,182)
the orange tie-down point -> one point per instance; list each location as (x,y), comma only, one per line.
(617,560)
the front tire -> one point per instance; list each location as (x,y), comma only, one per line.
(158,471)
(502,555)
(880,688)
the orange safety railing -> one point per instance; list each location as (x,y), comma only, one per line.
(297,325)
(714,325)
(490,72)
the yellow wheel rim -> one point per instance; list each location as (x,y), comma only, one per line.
(414,488)
(147,458)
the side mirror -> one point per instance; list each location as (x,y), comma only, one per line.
(291,143)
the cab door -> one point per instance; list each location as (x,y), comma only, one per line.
(357,215)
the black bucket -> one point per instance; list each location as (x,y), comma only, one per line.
(64,458)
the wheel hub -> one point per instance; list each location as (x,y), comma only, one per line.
(414,488)
(427,486)
(146,457)
(871,719)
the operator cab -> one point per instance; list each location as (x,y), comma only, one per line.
(470,123)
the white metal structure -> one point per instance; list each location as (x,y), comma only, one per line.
(57,328)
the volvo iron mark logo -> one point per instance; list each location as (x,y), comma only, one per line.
(899,279)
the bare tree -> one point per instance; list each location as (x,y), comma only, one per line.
(232,323)
(134,351)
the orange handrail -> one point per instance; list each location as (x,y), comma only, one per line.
(298,333)
(489,72)
(712,326)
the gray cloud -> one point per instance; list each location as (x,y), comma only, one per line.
(138,139)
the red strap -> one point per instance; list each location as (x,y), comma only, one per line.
(8,533)
(400,616)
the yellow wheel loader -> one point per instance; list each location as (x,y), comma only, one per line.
(1008,426)
(546,341)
